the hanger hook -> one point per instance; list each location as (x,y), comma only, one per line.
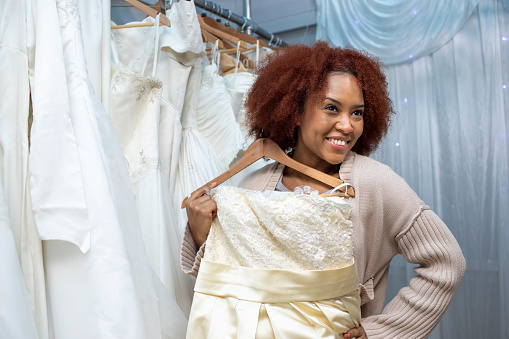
(270,41)
(244,25)
(229,14)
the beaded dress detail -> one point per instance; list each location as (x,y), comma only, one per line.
(280,230)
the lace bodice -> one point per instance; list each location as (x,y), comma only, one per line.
(134,114)
(280,230)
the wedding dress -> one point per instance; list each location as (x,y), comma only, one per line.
(135,109)
(23,290)
(216,119)
(198,163)
(99,281)
(277,265)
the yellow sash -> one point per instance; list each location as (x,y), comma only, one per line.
(240,302)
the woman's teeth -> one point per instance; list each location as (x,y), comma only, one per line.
(338,142)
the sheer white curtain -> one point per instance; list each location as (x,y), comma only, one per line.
(449,139)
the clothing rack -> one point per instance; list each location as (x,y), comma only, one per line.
(243,22)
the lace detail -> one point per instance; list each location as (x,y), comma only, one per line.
(280,230)
(143,84)
(71,12)
(143,165)
(136,122)
(189,24)
(211,79)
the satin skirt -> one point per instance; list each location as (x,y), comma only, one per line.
(246,303)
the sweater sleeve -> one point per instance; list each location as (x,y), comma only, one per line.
(418,308)
(190,254)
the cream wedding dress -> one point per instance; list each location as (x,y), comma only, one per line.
(277,265)
(135,112)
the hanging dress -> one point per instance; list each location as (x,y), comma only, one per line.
(215,116)
(23,290)
(238,81)
(277,265)
(198,163)
(135,115)
(99,281)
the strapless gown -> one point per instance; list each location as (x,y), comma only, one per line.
(277,265)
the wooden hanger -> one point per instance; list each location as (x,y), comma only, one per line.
(149,11)
(265,147)
(229,29)
(219,33)
(212,38)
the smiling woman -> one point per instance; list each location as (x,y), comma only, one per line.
(329,108)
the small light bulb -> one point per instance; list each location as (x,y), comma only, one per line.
(405,100)
(397,144)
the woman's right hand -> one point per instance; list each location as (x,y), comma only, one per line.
(201,209)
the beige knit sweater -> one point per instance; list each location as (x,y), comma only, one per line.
(388,218)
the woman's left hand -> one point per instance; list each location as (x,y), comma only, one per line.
(356,332)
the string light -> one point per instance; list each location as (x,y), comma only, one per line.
(405,100)
(397,144)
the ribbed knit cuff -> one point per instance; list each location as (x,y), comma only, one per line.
(190,254)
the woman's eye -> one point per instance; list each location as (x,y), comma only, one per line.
(331,108)
(358,112)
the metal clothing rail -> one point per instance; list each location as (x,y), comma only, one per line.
(273,40)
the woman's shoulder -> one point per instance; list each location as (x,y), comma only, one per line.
(364,167)
(373,175)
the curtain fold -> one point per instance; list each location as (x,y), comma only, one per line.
(449,140)
(396,31)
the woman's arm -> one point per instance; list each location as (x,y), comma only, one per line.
(201,209)
(190,253)
(418,308)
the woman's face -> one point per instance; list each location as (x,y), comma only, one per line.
(330,126)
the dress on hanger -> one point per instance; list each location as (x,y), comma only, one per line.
(99,281)
(135,114)
(16,317)
(198,163)
(277,265)
(16,221)
(216,119)
(238,81)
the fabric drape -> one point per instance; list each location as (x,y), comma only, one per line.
(395,31)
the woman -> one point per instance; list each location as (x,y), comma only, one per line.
(330,107)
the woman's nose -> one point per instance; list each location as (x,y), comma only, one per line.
(344,125)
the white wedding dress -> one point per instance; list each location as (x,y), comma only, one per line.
(135,109)
(216,119)
(22,286)
(198,163)
(99,281)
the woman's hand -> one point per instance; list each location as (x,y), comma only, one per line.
(201,209)
(356,332)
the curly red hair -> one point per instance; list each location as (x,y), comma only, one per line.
(291,76)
